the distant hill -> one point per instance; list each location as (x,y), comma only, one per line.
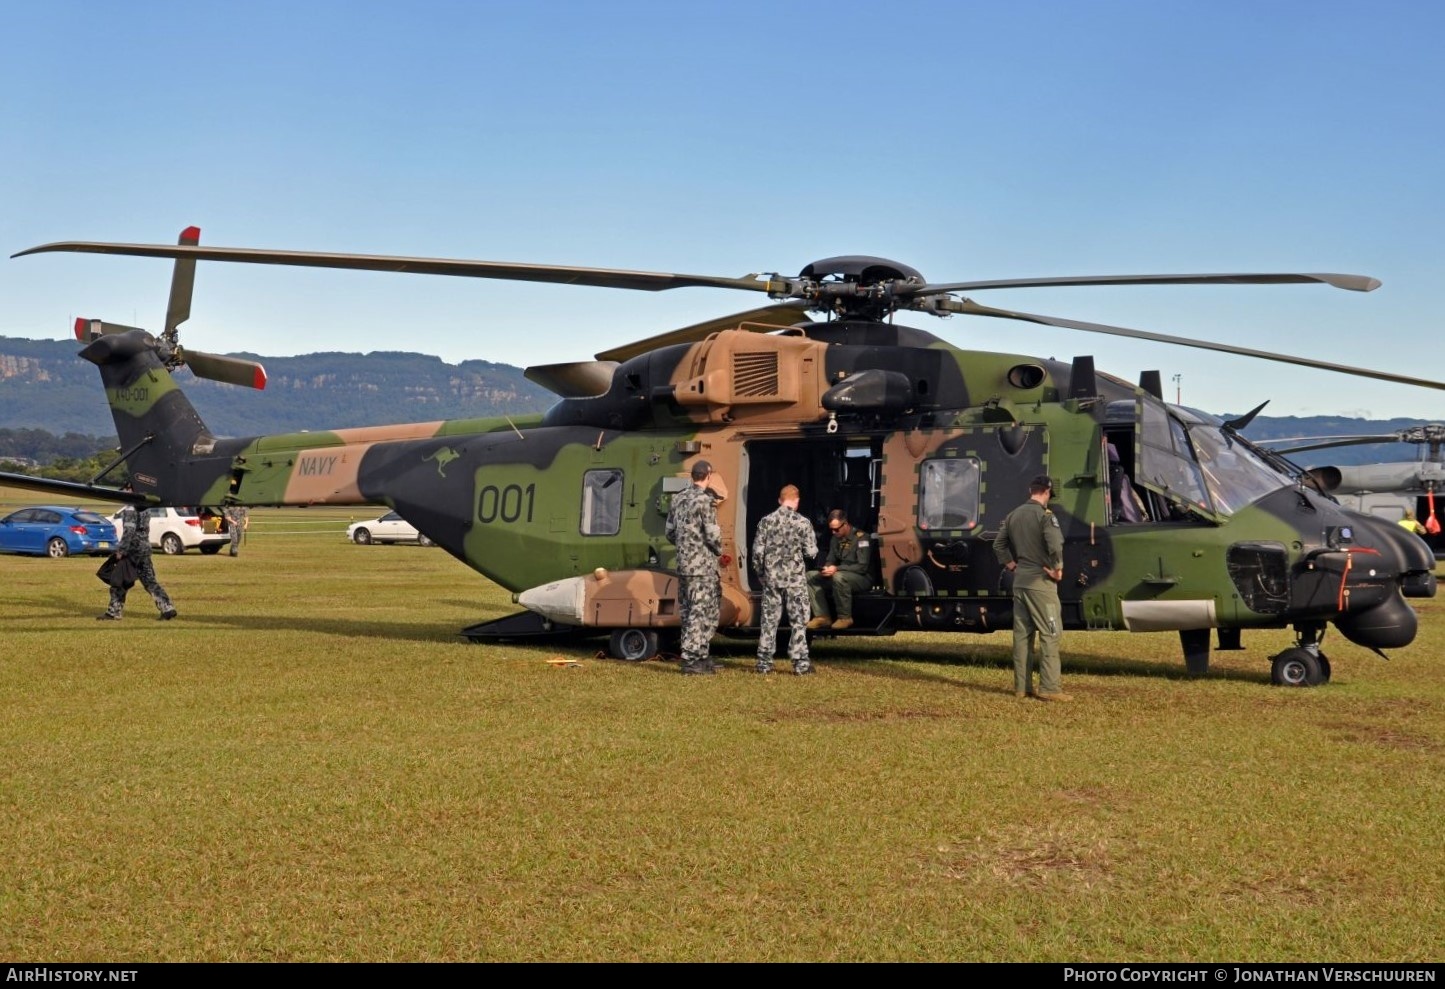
(45,385)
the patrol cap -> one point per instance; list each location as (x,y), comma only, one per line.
(1041,482)
(701,470)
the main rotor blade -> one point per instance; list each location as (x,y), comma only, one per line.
(183,283)
(1354,283)
(646,281)
(231,370)
(765,318)
(1326,442)
(971,307)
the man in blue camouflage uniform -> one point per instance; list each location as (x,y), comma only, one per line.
(693,528)
(1030,545)
(782,548)
(135,543)
(238,520)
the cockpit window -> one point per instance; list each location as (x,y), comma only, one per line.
(1167,460)
(1189,458)
(1235,474)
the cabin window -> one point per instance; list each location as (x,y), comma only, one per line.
(602,502)
(948,493)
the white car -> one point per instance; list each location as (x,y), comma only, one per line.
(175,530)
(390,528)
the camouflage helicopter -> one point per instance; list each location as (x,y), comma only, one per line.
(923,444)
(1388,489)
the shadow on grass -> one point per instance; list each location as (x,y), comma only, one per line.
(883,660)
(143,612)
(999,657)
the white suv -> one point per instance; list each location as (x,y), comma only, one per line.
(175,530)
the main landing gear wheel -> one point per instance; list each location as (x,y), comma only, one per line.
(632,644)
(171,544)
(1298,667)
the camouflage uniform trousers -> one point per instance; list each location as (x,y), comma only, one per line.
(1036,616)
(146,577)
(700,600)
(236,538)
(796,599)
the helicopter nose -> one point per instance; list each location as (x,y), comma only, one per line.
(1388,623)
(1409,556)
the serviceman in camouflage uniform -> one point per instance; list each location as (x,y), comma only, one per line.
(238,520)
(782,548)
(135,542)
(693,528)
(1031,546)
(847,569)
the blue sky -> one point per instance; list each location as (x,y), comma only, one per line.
(967,139)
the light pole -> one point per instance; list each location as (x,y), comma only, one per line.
(1177,399)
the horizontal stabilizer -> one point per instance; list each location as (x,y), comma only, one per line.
(48,485)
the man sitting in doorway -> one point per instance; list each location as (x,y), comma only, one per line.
(846,570)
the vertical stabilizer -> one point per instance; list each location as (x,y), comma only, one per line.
(158,427)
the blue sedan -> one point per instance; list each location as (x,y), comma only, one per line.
(56,531)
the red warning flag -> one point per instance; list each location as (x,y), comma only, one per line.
(1432,524)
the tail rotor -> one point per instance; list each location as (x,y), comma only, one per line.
(213,367)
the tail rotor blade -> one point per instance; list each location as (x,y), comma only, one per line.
(183,283)
(230,370)
(88,330)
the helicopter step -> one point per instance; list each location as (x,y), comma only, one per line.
(834,633)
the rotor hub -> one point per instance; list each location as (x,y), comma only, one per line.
(856,286)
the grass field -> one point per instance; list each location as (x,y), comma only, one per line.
(309,764)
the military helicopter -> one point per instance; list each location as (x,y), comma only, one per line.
(1386,489)
(923,444)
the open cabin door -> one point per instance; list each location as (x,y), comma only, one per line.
(830,472)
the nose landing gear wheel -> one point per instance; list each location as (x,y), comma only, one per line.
(1299,667)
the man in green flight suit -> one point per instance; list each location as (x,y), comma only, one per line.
(1031,546)
(847,569)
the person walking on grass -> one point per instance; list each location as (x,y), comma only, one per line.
(135,544)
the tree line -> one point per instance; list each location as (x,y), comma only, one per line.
(67,457)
